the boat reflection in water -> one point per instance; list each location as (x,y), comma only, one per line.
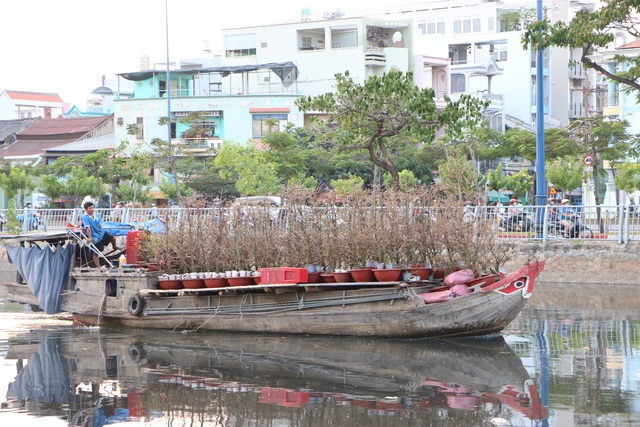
(91,378)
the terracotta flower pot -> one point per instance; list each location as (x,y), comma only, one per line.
(216,282)
(193,283)
(422,272)
(314,278)
(241,281)
(363,275)
(328,277)
(169,285)
(343,277)
(388,274)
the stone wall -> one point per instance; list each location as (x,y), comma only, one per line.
(588,262)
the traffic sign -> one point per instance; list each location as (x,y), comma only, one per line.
(587,160)
(553,191)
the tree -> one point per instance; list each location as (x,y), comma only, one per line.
(628,178)
(496,180)
(407,180)
(288,158)
(384,110)
(17,183)
(248,167)
(458,176)
(566,173)
(590,30)
(80,183)
(518,183)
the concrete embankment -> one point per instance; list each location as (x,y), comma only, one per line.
(583,262)
(566,262)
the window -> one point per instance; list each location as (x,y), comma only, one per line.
(240,45)
(431,28)
(476,25)
(422,27)
(306,42)
(139,127)
(263,124)
(457,27)
(440,29)
(467,25)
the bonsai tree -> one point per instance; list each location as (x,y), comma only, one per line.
(377,115)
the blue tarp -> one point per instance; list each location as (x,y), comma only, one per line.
(44,270)
(45,378)
(155,226)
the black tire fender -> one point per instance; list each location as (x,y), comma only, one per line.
(136,305)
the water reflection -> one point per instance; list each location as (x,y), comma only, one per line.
(91,378)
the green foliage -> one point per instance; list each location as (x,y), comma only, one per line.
(249,168)
(309,182)
(13,226)
(590,30)
(515,20)
(51,187)
(566,173)
(80,183)
(496,179)
(284,152)
(628,177)
(384,111)
(17,183)
(169,190)
(458,177)
(407,180)
(346,186)
(518,183)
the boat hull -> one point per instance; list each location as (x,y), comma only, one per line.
(396,310)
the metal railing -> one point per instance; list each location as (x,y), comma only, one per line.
(616,223)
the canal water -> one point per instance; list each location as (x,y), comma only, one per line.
(570,359)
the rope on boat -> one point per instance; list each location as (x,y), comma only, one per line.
(293,305)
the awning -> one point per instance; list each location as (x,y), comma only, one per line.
(492,196)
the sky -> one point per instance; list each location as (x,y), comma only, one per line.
(66,46)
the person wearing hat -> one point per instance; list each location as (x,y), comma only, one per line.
(153,212)
(116,213)
(566,215)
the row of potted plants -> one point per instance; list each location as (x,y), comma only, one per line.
(394,228)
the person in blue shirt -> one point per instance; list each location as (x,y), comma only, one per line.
(566,216)
(92,222)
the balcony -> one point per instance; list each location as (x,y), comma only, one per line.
(195,145)
(375,58)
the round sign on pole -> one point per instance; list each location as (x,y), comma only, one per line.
(587,160)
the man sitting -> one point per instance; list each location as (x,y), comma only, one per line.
(95,233)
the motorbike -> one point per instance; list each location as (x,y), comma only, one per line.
(33,219)
(519,222)
(577,229)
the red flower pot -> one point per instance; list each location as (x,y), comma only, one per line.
(169,285)
(422,272)
(193,283)
(328,277)
(343,277)
(363,275)
(216,282)
(241,281)
(314,278)
(388,274)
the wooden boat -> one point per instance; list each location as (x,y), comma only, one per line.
(131,297)
(202,371)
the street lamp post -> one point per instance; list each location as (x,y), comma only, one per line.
(541,186)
